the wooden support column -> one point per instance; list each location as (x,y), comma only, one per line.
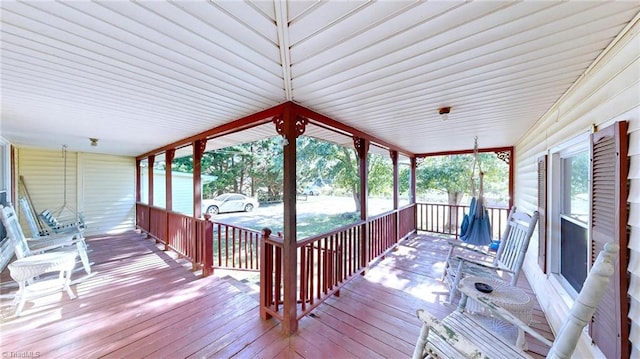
(168,190)
(396,194)
(138,181)
(506,154)
(511,178)
(362,149)
(151,160)
(396,190)
(412,181)
(198,149)
(412,189)
(290,126)
(168,179)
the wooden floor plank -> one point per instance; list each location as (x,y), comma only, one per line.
(143,302)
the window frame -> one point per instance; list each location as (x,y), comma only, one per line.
(555,202)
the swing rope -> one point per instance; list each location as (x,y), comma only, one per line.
(476,228)
(64,206)
(476,162)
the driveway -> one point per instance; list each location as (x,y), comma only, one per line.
(271,215)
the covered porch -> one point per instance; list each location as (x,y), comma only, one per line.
(150,81)
(142,301)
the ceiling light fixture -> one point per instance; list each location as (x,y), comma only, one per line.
(444,113)
(93,141)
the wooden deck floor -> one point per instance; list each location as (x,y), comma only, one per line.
(140,302)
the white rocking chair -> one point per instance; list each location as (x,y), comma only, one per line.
(460,336)
(509,257)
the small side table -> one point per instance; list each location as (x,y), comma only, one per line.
(514,300)
(24,271)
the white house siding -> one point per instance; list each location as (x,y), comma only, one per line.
(102,187)
(182,189)
(108,192)
(608,92)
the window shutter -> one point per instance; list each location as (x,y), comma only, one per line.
(609,328)
(542,211)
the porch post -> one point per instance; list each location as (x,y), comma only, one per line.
(394,161)
(396,194)
(151,160)
(286,126)
(138,181)
(511,177)
(168,179)
(198,149)
(362,149)
(412,190)
(412,180)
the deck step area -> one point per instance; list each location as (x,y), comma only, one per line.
(245,285)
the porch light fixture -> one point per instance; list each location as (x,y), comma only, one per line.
(444,113)
(93,141)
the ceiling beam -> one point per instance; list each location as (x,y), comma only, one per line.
(282,25)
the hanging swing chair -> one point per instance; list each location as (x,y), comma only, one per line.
(476,226)
(63,218)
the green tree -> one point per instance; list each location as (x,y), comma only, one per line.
(333,163)
(451,174)
(266,168)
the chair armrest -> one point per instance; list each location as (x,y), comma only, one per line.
(506,315)
(484,264)
(446,333)
(459,244)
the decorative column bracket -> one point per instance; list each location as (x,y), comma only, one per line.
(504,155)
(200,146)
(394,157)
(300,125)
(361,145)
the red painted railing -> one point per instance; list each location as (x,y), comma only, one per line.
(236,247)
(406,221)
(446,218)
(189,237)
(327,261)
(382,234)
(324,262)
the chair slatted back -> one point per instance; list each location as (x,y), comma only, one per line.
(515,241)
(31,220)
(14,231)
(49,218)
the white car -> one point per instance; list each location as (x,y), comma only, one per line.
(312,191)
(229,202)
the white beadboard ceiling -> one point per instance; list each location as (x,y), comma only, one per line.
(140,75)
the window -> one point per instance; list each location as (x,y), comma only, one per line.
(574,216)
(570,214)
(577,233)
